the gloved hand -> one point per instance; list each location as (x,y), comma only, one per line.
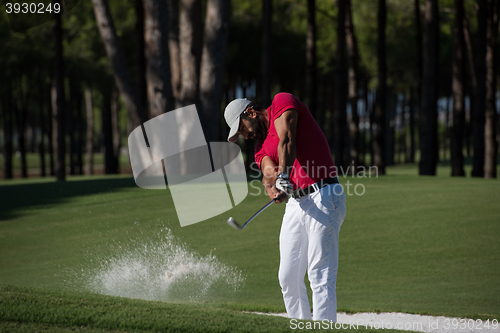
(285,186)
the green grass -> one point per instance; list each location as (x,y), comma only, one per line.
(414,244)
(29,310)
(422,245)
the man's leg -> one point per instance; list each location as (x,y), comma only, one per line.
(324,226)
(293,262)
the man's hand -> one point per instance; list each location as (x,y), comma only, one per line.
(284,186)
(270,182)
(274,193)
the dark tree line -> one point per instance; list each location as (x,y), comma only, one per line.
(380,98)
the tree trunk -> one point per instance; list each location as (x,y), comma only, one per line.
(7,130)
(416,97)
(420,71)
(89,146)
(480,92)
(340,116)
(411,127)
(490,144)
(366,120)
(326,82)
(352,51)
(372,122)
(445,131)
(266,72)
(396,130)
(79,129)
(470,51)
(50,134)
(190,45)
(173,47)
(72,124)
(212,66)
(378,156)
(117,60)
(30,132)
(160,95)
(41,108)
(428,113)
(115,125)
(398,118)
(458,80)
(311,73)
(142,92)
(107,134)
(20,116)
(72,133)
(389,127)
(58,101)
(471,87)
(402,131)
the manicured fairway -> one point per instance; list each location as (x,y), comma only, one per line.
(34,310)
(29,310)
(413,244)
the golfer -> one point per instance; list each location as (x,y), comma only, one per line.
(295,159)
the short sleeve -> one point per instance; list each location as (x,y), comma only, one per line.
(259,154)
(283,102)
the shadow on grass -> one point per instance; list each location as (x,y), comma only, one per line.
(16,198)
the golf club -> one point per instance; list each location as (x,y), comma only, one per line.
(232,222)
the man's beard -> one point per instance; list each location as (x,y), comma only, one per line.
(258,130)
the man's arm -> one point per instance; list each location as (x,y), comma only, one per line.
(286,127)
(269,176)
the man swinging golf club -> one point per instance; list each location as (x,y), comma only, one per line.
(295,159)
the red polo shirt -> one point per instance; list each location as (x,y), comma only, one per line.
(313,160)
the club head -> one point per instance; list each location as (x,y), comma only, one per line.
(232,222)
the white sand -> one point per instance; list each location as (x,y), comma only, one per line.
(409,322)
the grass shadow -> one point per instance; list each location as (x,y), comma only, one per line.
(16,198)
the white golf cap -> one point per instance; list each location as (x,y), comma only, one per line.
(232,115)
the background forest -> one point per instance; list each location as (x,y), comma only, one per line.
(389,81)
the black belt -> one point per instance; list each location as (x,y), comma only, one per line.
(313,188)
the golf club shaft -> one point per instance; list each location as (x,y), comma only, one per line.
(260,211)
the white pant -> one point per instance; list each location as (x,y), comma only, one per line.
(309,239)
